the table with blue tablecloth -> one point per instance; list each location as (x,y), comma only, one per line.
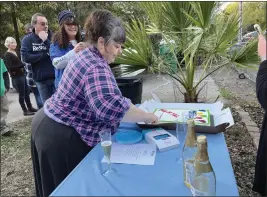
(164,178)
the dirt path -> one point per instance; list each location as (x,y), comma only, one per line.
(228,81)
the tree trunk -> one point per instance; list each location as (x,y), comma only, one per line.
(15,24)
(190,98)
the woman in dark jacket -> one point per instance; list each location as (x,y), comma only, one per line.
(16,70)
(260,183)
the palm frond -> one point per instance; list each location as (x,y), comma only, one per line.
(214,70)
(138,50)
(155,12)
(203,13)
(175,21)
(226,32)
(247,55)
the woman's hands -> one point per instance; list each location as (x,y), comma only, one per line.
(79,47)
(262,47)
(151,118)
(134,114)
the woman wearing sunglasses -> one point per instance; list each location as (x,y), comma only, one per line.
(65,43)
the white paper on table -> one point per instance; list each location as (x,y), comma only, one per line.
(140,154)
(168,117)
(148,106)
(225,116)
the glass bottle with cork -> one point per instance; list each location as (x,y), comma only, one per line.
(189,151)
(203,180)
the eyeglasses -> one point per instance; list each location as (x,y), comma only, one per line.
(43,24)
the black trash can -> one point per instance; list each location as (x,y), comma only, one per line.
(131,87)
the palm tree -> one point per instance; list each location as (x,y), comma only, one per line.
(138,52)
(204,37)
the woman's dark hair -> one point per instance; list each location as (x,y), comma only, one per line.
(101,23)
(61,36)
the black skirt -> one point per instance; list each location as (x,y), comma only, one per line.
(56,150)
(260,181)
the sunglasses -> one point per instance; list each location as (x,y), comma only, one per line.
(71,21)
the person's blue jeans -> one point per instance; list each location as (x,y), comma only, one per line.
(37,97)
(46,88)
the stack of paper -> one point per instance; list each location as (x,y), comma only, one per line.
(140,154)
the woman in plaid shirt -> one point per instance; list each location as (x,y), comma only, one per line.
(87,101)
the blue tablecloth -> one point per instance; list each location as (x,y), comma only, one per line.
(164,178)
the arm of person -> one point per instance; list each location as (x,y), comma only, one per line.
(6,80)
(27,53)
(8,61)
(11,62)
(134,114)
(60,62)
(261,85)
(104,97)
(5,75)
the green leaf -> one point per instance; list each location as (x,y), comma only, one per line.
(139,52)
(247,55)
(203,13)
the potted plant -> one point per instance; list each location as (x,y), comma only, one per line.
(137,54)
(202,34)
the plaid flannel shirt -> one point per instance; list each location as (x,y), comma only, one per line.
(88,98)
(29,79)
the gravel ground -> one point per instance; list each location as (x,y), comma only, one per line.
(243,156)
(255,111)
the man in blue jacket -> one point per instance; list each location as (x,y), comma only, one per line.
(35,51)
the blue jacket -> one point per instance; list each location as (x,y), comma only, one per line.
(60,58)
(36,52)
